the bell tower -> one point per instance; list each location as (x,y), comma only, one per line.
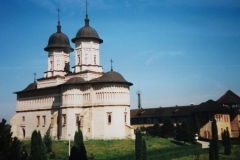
(87,56)
(58,53)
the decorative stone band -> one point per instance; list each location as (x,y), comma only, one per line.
(48,109)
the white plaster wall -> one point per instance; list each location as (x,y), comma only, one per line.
(85,51)
(30,123)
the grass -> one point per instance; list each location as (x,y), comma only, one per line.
(235,154)
(107,149)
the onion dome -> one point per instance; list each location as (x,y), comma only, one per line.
(31,86)
(75,80)
(59,41)
(87,32)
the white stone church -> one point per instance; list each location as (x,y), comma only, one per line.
(85,98)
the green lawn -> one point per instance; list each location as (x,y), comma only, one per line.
(235,154)
(111,149)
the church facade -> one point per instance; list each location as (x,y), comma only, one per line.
(85,98)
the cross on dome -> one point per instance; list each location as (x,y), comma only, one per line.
(86,7)
(111,64)
(58,26)
(34,77)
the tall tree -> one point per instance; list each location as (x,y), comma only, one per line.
(196,125)
(215,139)
(9,146)
(79,144)
(211,151)
(38,151)
(144,150)
(227,146)
(138,145)
(185,133)
(167,128)
(48,142)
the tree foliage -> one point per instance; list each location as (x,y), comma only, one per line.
(78,150)
(140,146)
(10,146)
(214,140)
(211,151)
(48,142)
(226,142)
(186,132)
(144,150)
(38,149)
(196,125)
(167,128)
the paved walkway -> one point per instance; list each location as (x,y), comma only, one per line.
(204,144)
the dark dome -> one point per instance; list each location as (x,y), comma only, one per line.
(31,86)
(59,41)
(112,77)
(87,32)
(75,80)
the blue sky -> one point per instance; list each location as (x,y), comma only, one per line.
(175,52)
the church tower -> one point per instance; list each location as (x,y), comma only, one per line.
(58,49)
(87,57)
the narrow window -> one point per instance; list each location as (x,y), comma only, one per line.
(125,118)
(89,129)
(44,121)
(38,121)
(109,119)
(23,118)
(95,59)
(64,119)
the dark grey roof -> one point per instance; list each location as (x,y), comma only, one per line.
(229,98)
(87,32)
(111,76)
(31,86)
(209,106)
(59,41)
(75,80)
(162,112)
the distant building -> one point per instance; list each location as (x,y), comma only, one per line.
(226,111)
(85,98)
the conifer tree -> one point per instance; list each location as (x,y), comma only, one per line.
(215,139)
(167,128)
(223,137)
(34,144)
(38,151)
(227,147)
(138,145)
(196,125)
(211,151)
(144,150)
(79,144)
(185,132)
(9,146)
(48,142)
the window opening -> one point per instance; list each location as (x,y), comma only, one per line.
(38,121)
